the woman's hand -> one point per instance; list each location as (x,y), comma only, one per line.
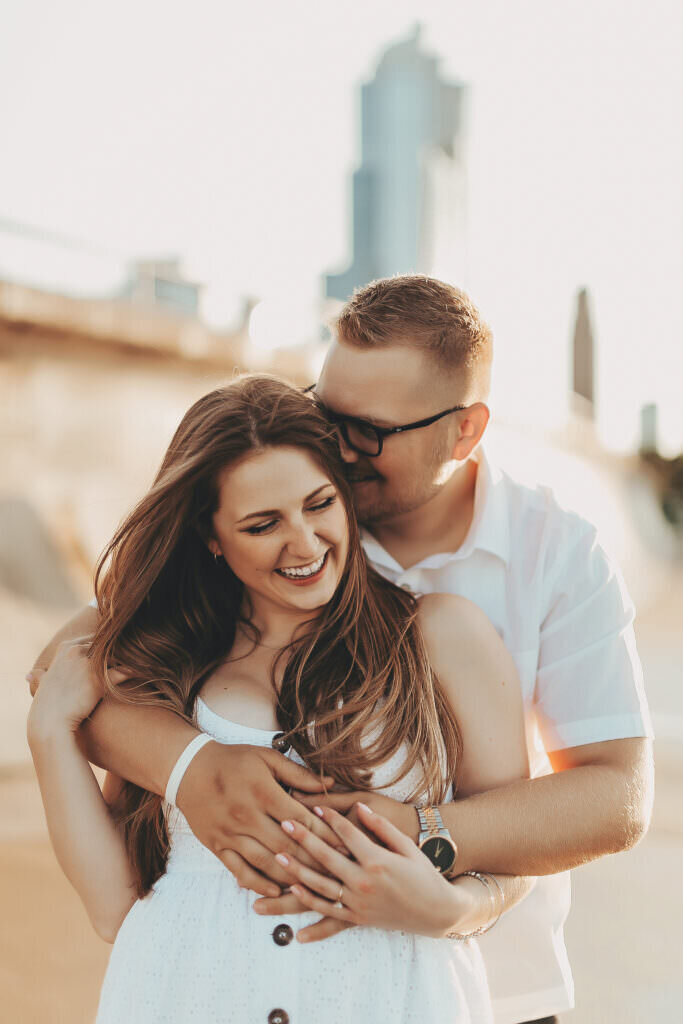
(392,886)
(67,692)
(403,816)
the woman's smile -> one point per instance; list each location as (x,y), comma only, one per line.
(304,575)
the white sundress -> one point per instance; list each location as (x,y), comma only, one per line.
(193,950)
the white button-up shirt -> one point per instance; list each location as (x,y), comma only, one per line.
(561,607)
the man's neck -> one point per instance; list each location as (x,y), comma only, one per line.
(440,525)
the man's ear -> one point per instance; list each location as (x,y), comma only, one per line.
(472,423)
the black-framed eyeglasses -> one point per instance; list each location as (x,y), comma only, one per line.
(365,437)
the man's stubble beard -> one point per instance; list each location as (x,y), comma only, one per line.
(378,510)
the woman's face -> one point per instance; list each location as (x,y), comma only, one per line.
(282,529)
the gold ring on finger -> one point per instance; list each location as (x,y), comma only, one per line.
(339,905)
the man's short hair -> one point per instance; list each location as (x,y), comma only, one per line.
(419,311)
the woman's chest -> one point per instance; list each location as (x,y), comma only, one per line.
(242,695)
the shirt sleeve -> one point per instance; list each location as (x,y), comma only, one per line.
(589,685)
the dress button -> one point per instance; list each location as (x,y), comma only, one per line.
(279,742)
(278,1017)
(282,935)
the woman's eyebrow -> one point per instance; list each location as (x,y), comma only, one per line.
(275,511)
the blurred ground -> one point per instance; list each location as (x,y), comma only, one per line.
(623,934)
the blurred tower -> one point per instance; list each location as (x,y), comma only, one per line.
(409,191)
(583,351)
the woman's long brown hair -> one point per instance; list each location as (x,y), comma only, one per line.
(169,613)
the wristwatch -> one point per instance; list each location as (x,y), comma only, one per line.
(435,840)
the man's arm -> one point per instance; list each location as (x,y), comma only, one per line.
(591,710)
(598,801)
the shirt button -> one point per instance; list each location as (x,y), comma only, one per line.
(279,742)
(278,1017)
(282,935)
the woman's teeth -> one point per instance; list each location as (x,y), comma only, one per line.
(304,570)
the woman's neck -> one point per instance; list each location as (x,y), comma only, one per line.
(277,627)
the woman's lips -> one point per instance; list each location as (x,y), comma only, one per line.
(303,581)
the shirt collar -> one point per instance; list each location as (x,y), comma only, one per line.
(490,527)
(489,530)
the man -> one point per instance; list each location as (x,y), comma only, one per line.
(407,382)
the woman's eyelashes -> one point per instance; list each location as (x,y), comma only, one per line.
(320,506)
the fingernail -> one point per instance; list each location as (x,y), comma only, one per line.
(297,890)
(365,807)
(29,677)
(281,859)
(287,826)
(318,811)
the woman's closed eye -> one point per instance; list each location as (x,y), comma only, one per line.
(320,506)
(325,503)
(261,528)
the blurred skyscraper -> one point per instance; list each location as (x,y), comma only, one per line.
(409,191)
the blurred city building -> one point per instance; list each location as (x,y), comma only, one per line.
(409,191)
(161,283)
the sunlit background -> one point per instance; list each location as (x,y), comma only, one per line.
(187,191)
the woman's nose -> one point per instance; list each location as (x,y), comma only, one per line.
(303,541)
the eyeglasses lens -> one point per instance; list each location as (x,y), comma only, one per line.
(362,438)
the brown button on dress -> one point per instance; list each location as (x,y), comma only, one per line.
(278,1017)
(282,935)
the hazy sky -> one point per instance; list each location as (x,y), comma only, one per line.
(227,133)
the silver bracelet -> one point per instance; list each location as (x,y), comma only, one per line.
(496,907)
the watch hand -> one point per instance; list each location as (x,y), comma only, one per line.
(438,850)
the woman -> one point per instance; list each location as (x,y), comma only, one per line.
(236,593)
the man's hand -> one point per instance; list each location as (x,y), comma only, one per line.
(402,816)
(234,805)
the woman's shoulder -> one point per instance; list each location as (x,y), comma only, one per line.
(451,614)
(461,639)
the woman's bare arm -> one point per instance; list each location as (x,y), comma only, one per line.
(136,743)
(89,847)
(232,795)
(480,680)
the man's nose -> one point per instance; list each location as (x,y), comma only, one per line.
(347,453)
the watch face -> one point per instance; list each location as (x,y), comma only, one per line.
(440,852)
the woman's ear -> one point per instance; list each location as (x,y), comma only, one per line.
(206,537)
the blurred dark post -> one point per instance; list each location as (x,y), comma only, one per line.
(584,362)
